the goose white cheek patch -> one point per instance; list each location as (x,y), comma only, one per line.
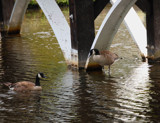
(39,76)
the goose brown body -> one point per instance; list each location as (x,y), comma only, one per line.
(24,86)
(104,57)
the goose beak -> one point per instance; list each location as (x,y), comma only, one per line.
(44,77)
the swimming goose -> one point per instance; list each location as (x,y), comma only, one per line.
(103,58)
(26,85)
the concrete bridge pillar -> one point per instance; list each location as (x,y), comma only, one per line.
(82,30)
(152,10)
(59,25)
(109,28)
(6,7)
(17,16)
(153,26)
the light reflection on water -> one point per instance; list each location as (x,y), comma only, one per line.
(132,95)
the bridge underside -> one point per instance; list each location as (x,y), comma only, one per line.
(80,37)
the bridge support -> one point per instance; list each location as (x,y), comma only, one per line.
(6,7)
(82,30)
(109,28)
(59,26)
(17,16)
(152,10)
(153,26)
(137,30)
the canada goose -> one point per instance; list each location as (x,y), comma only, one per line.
(26,85)
(103,58)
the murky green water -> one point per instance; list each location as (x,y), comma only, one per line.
(75,96)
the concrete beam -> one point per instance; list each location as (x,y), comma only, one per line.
(110,26)
(17,16)
(59,26)
(137,30)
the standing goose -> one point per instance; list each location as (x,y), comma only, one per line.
(103,58)
(26,85)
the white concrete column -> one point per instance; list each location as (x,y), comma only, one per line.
(136,29)
(59,25)
(17,16)
(110,26)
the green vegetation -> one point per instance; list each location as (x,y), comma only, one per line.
(63,2)
(34,4)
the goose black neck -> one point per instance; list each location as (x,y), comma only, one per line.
(37,83)
(96,52)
